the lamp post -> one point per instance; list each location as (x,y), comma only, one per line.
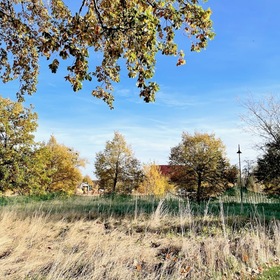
(240,178)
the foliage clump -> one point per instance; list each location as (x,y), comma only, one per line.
(134,31)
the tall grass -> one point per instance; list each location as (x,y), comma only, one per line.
(136,238)
(248,197)
(88,207)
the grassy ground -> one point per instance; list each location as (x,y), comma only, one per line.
(272,273)
(136,238)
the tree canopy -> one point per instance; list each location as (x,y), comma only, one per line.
(134,31)
(268,167)
(154,181)
(200,164)
(61,165)
(17,125)
(116,167)
(27,166)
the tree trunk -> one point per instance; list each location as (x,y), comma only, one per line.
(116,177)
(198,194)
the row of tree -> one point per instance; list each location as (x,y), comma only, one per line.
(26,166)
(30,167)
(197,165)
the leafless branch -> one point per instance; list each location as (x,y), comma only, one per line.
(83,4)
(263,117)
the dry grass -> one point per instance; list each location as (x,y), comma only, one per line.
(156,247)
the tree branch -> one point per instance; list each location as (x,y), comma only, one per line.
(83,4)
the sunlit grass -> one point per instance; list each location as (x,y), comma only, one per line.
(272,273)
(128,237)
(91,207)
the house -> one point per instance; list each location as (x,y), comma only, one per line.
(86,188)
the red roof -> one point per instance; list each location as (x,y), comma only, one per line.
(165,170)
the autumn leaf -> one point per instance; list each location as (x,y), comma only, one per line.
(135,31)
(54,66)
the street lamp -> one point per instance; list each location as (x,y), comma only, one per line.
(240,179)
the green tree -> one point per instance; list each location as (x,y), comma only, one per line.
(17,145)
(116,167)
(134,31)
(200,164)
(268,168)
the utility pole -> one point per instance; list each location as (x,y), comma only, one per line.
(240,179)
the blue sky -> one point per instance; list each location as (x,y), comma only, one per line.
(202,95)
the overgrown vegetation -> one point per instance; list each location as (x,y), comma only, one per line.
(128,237)
(118,206)
(271,273)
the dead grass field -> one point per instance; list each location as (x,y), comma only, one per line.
(155,246)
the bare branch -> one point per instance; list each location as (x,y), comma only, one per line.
(263,117)
(83,4)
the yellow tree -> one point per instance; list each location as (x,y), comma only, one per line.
(62,167)
(154,181)
(201,163)
(134,31)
